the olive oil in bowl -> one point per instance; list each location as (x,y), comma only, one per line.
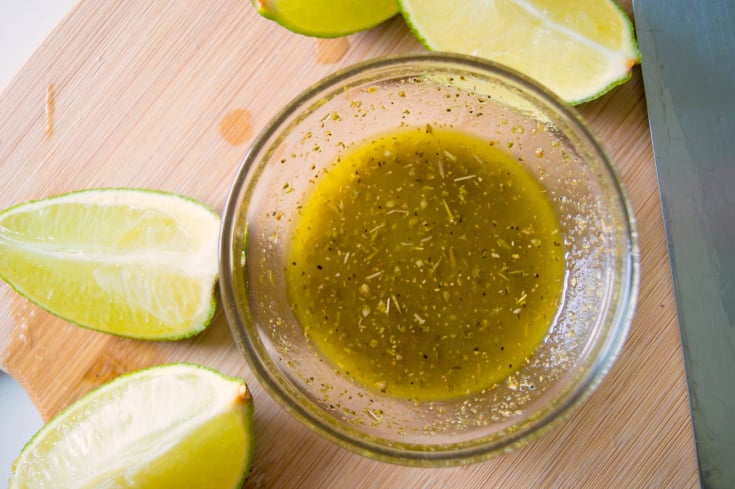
(426,263)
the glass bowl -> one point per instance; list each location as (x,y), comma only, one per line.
(493,103)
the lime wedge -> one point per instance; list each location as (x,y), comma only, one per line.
(176,425)
(130,262)
(327,18)
(580,49)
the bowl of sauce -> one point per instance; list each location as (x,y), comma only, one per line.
(428,259)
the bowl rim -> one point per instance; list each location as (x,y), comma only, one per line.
(623,309)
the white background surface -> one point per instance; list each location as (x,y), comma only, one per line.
(24,24)
(19,420)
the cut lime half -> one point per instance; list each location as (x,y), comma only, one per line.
(327,18)
(580,49)
(177,426)
(130,262)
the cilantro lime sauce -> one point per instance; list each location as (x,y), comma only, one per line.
(426,263)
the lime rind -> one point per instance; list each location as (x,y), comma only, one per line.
(242,405)
(64,195)
(326,18)
(178,205)
(630,30)
(608,88)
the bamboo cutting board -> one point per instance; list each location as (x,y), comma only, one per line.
(168,94)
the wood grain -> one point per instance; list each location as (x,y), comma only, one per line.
(141,93)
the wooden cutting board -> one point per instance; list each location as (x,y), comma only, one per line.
(168,94)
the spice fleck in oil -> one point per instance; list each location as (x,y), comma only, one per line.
(426,263)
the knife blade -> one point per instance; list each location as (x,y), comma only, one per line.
(688,65)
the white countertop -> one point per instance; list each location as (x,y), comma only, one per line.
(24,24)
(19,420)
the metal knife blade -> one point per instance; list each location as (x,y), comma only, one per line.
(688,65)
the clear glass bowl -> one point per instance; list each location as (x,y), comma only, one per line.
(490,102)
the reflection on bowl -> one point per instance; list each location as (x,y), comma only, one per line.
(450,94)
